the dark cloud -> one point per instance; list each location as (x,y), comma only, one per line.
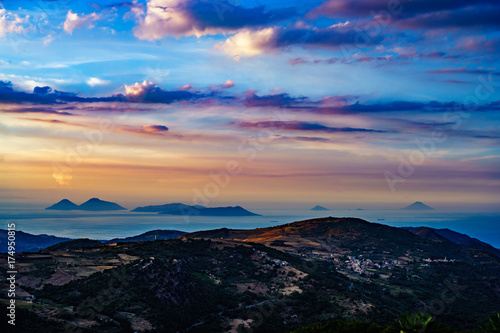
(478,44)
(357,8)
(325,37)
(416,13)
(36,110)
(457,82)
(385,107)
(158,95)
(154,130)
(302,126)
(463,70)
(42,90)
(44,95)
(222,14)
(474,16)
(276,100)
(138,93)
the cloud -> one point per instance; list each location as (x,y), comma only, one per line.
(35,110)
(45,95)
(250,43)
(198,18)
(419,14)
(12,23)
(463,70)
(148,130)
(48,39)
(52,121)
(228,84)
(148,92)
(357,8)
(474,16)
(73,21)
(94,81)
(145,92)
(276,100)
(186,87)
(302,126)
(480,45)
(155,128)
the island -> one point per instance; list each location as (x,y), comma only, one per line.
(214,211)
(319,208)
(93,205)
(417,206)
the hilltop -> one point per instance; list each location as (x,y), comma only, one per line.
(149,236)
(322,233)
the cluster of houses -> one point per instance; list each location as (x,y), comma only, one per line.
(362,266)
(277,262)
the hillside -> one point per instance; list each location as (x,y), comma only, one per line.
(274,279)
(331,234)
(73,244)
(149,236)
(28,242)
(457,238)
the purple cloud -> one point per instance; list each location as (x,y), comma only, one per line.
(302,126)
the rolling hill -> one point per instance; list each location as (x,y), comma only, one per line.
(281,277)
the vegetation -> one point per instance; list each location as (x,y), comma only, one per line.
(219,284)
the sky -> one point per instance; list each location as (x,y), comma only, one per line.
(341,102)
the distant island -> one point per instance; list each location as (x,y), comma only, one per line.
(215,211)
(418,206)
(93,205)
(195,210)
(319,208)
(64,204)
(165,208)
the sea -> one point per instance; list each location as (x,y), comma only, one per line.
(483,225)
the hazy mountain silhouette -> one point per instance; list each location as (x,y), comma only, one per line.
(28,242)
(319,208)
(93,204)
(64,204)
(165,208)
(418,206)
(96,204)
(215,211)
(455,237)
